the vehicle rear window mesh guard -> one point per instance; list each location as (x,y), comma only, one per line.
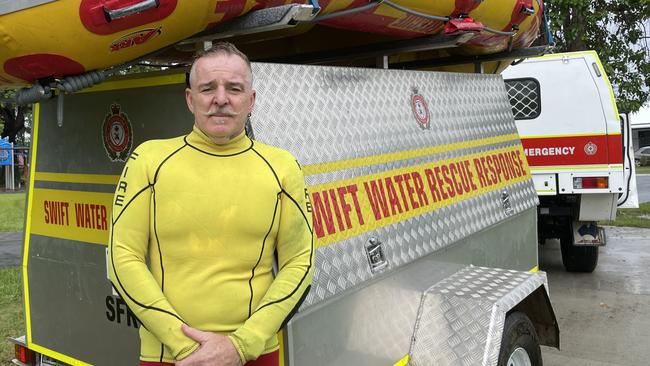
(524,98)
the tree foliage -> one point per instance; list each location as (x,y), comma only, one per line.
(617,31)
(14,120)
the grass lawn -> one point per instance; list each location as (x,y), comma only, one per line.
(12,319)
(12,211)
(643,169)
(632,217)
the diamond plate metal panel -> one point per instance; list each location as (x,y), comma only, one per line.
(330,114)
(374,323)
(343,265)
(362,112)
(460,320)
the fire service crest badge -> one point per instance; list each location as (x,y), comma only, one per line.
(117,134)
(420,110)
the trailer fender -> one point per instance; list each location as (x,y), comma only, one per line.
(462,317)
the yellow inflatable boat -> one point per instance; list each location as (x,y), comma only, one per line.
(46,40)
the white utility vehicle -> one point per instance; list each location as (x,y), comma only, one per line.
(578,150)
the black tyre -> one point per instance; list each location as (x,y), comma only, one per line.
(577,258)
(519,343)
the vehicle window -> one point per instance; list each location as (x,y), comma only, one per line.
(524,95)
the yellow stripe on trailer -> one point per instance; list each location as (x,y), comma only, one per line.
(402,155)
(132,83)
(59,356)
(350,207)
(77,178)
(73,215)
(403,361)
(28,224)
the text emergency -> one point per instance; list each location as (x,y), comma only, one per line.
(550,151)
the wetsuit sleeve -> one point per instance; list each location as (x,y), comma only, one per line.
(128,248)
(295,262)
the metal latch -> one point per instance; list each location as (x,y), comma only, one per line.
(507,205)
(376,257)
(130,10)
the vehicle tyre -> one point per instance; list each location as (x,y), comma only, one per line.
(577,258)
(519,343)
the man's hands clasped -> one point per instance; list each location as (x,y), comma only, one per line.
(214,350)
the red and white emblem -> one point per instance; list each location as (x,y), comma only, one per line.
(117,134)
(591,148)
(420,110)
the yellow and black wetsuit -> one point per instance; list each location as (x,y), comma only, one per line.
(194,230)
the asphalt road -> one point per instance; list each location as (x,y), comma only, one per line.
(10,248)
(643,187)
(604,316)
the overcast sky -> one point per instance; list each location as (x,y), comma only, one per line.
(642,116)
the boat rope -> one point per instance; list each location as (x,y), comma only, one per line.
(342,13)
(376,3)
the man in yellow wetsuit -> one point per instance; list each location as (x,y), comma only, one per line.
(197,221)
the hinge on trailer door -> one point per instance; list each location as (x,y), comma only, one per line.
(376,257)
(507,205)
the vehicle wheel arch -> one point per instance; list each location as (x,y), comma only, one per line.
(537,307)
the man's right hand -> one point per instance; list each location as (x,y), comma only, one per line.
(214,350)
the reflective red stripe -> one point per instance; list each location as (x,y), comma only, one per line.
(574,150)
(269,359)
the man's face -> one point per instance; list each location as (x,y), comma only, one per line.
(220,96)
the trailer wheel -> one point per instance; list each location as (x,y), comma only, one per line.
(519,343)
(577,258)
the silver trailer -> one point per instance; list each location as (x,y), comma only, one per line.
(423,205)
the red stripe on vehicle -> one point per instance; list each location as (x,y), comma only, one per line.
(573,150)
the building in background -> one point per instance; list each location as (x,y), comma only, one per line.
(640,123)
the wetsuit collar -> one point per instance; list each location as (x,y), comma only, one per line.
(201,141)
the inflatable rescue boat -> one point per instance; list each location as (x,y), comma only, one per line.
(46,40)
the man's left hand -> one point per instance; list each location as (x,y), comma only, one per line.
(214,350)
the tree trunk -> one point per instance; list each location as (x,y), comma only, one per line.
(14,122)
(574,24)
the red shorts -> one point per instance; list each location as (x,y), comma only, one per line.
(269,359)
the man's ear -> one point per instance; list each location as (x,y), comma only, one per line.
(250,108)
(188,99)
